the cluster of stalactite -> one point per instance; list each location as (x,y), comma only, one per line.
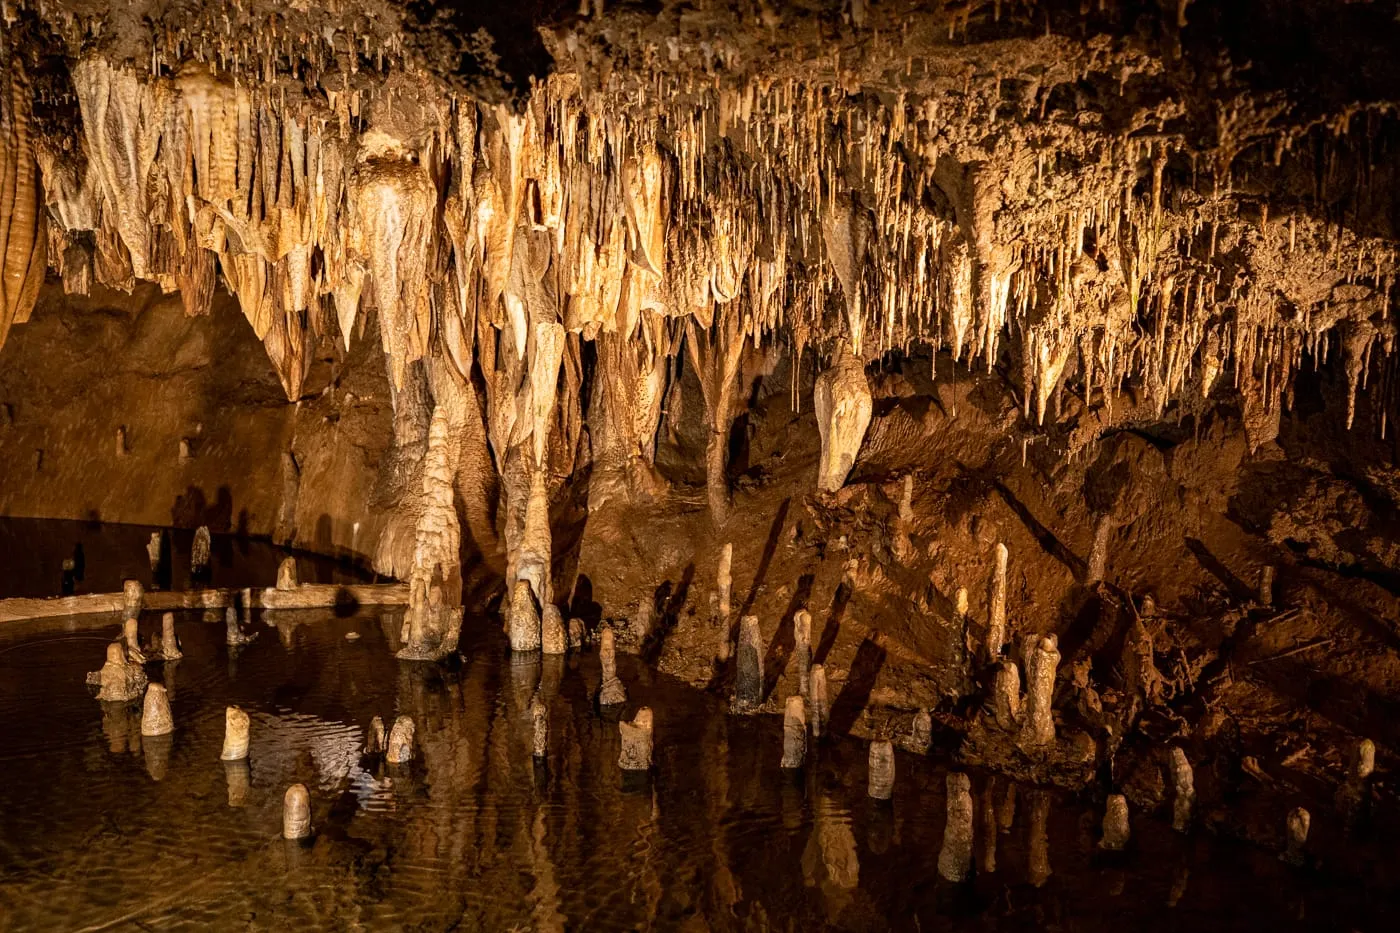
(677,219)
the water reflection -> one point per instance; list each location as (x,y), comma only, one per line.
(102,827)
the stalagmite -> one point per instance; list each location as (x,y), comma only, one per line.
(539,721)
(843,407)
(1006,695)
(376,742)
(234,636)
(724,580)
(1353,793)
(1038,728)
(553,637)
(748,676)
(794,732)
(996,625)
(819,708)
(199,552)
(1183,790)
(153,548)
(236,729)
(906,500)
(133,595)
(921,733)
(296,812)
(121,448)
(636,742)
(536,547)
(434,617)
(1038,861)
(1115,824)
(1266,586)
(612,692)
(880,783)
(120,680)
(399,749)
(802,650)
(287,574)
(1298,823)
(131,635)
(955,858)
(155,714)
(524,619)
(169,644)
(1098,553)
(184,450)
(577,634)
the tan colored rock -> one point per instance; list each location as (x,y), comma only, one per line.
(399,749)
(239,778)
(996,625)
(553,638)
(131,635)
(1006,695)
(236,729)
(1297,826)
(794,732)
(199,552)
(296,812)
(955,857)
(169,643)
(880,783)
(612,692)
(1038,726)
(802,650)
(120,680)
(524,620)
(287,574)
(133,594)
(843,406)
(636,751)
(155,714)
(819,708)
(1116,831)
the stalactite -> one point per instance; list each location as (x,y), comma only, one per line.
(23,240)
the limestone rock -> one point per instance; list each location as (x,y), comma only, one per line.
(155,715)
(400,746)
(296,812)
(748,679)
(844,406)
(794,732)
(636,742)
(236,728)
(553,638)
(880,783)
(955,858)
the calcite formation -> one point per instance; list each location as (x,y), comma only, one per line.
(955,857)
(399,749)
(121,679)
(794,733)
(636,742)
(296,812)
(155,716)
(236,728)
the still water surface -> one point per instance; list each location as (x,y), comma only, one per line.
(102,830)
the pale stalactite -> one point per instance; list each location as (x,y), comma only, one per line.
(22,241)
(843,408)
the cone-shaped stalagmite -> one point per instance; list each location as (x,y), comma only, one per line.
(155,715)
(636,742)
(955,858)
(121,679)
(1115,824)
(794,732)
(819,709)
(296,812)
(399,749)
(554,639)
(1038,727)
(236,728)
(376,740)
(880,780)
(612,692)
(524,618)
(843,406)
(748,677)
(287,574)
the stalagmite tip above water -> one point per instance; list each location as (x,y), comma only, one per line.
(554,638)
(611,692)
(880,779)
(131,635)
(819,709)
(287,574)
(155,714)
(843,407)
(1038,723)
(121,679)
(794,732)
(955,857)
(1296,835)
(296,812)
(636,754)
(524,618)
(1115,824)
(748,677)
(234,635)
(169,643)
(376,740)
(133,596)
(399,749)
(236,730)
